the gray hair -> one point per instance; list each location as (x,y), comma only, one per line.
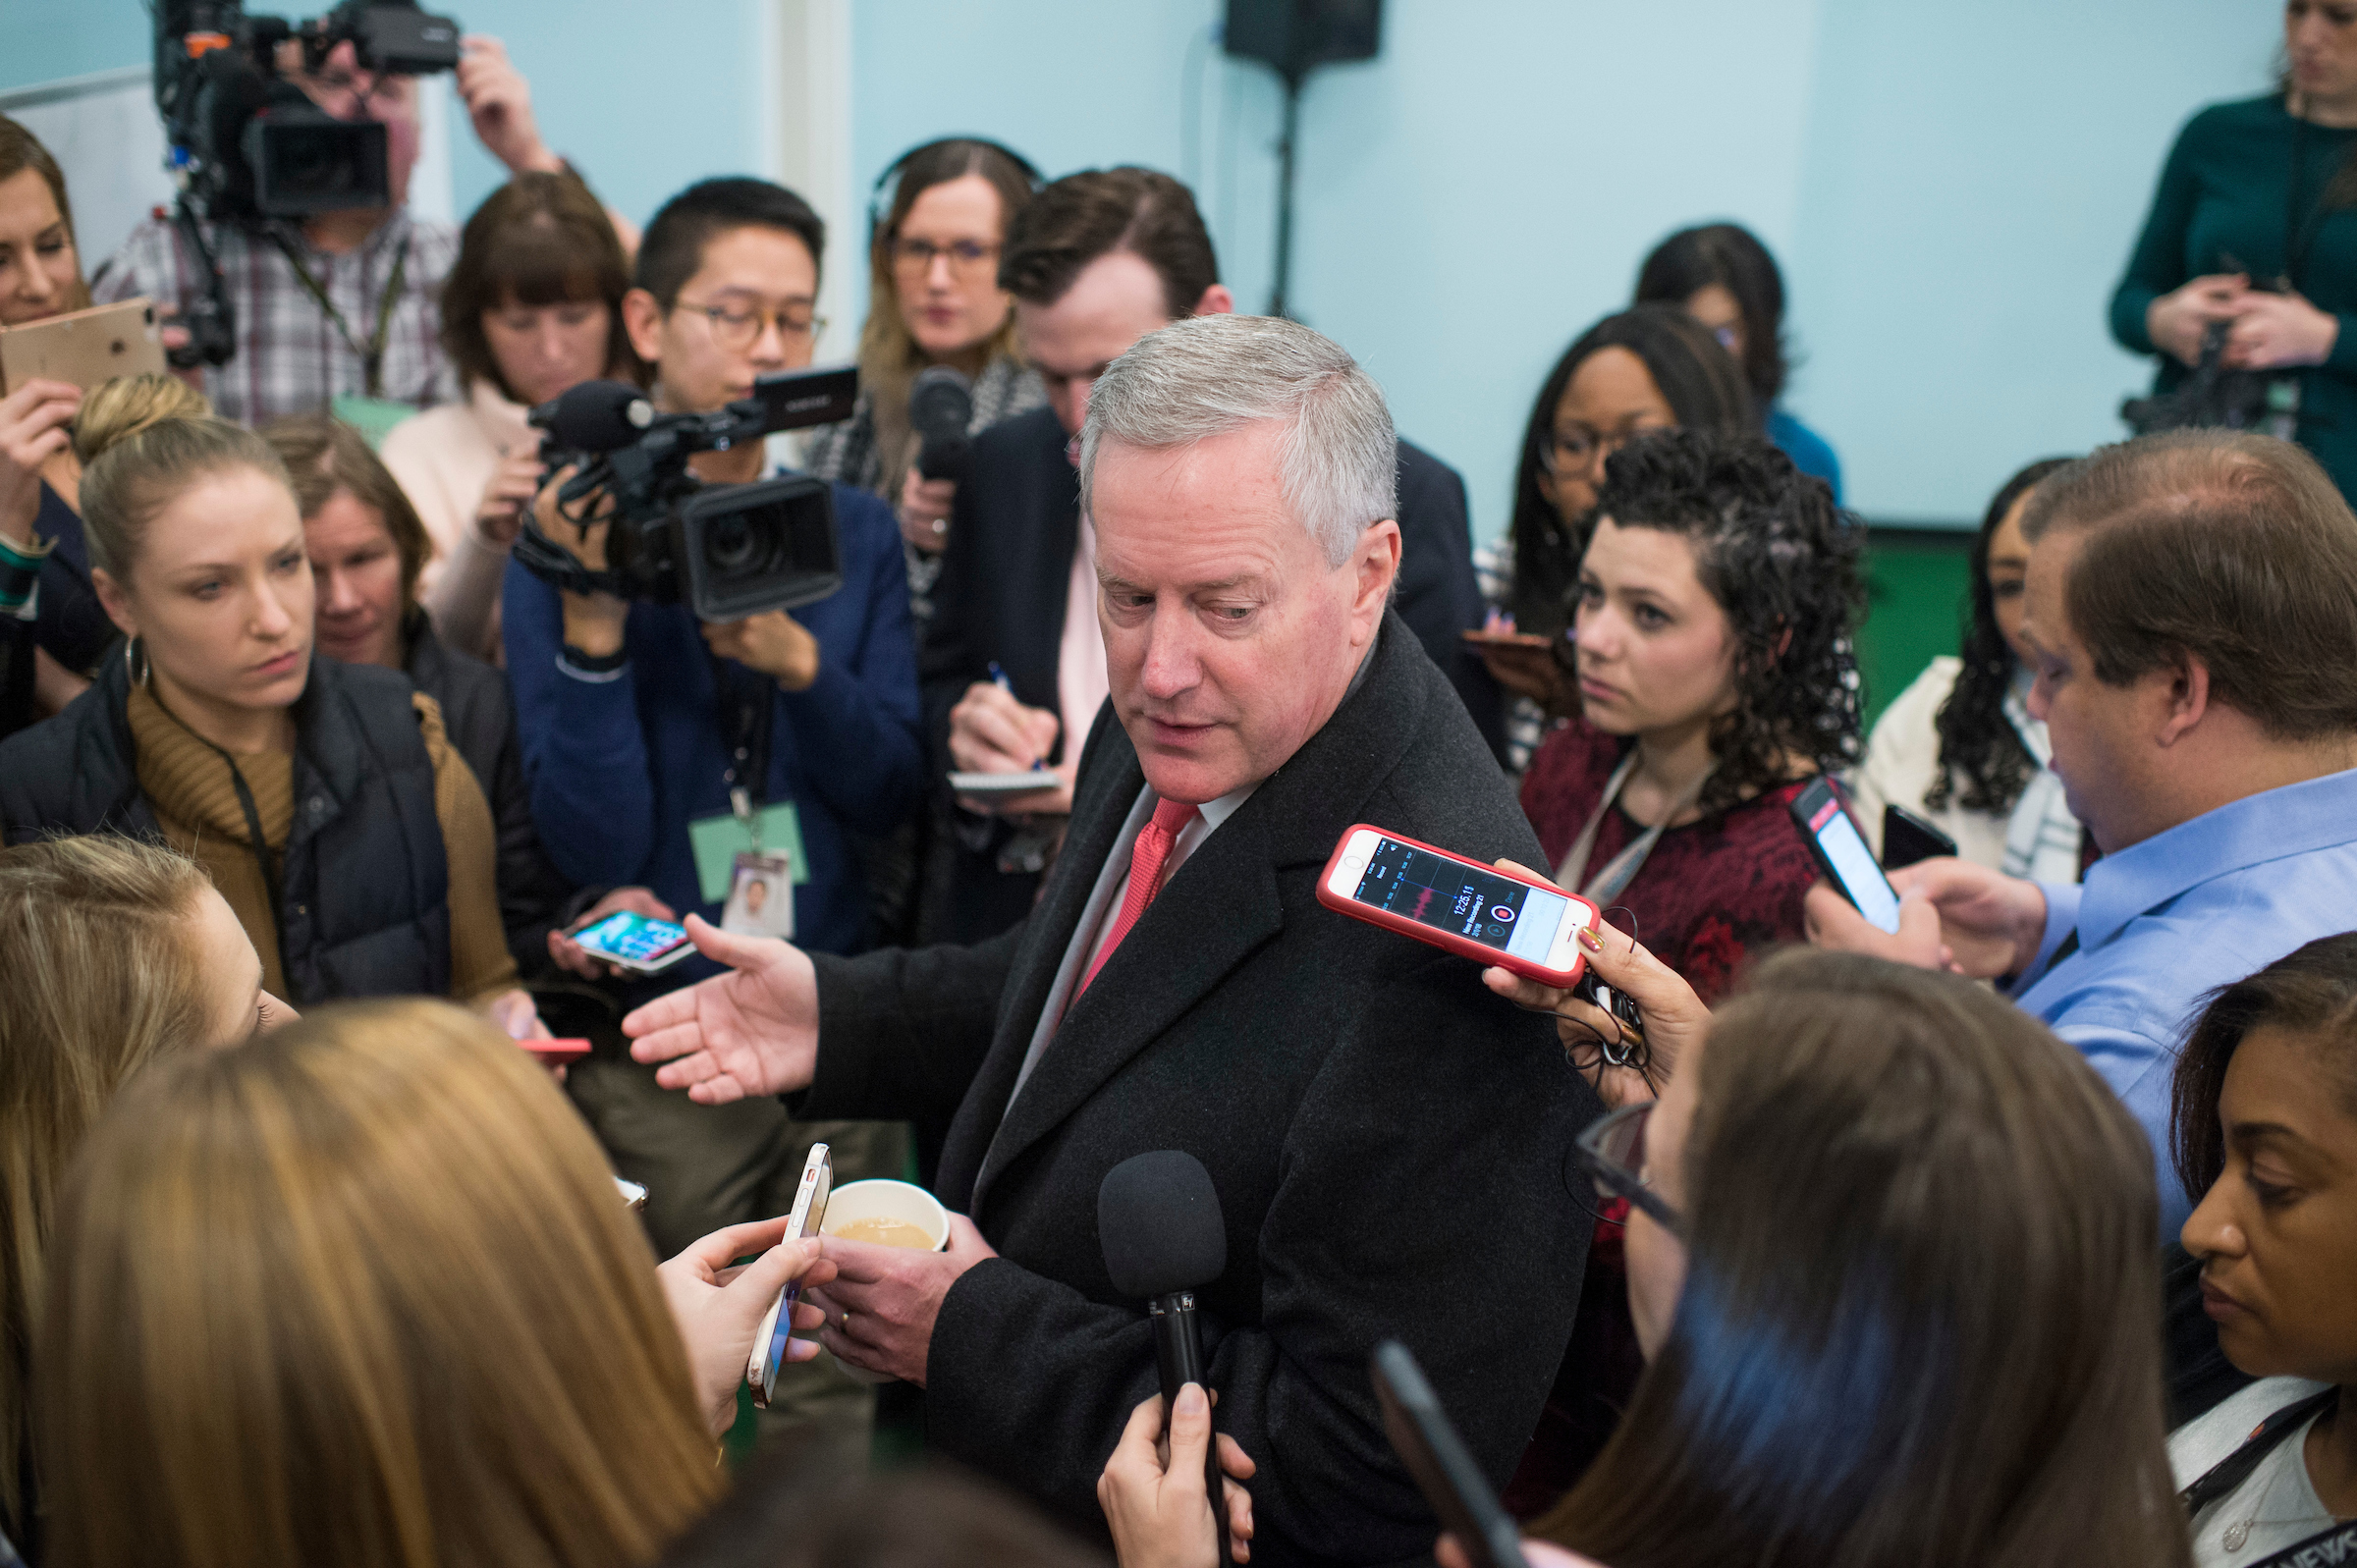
(1208,375)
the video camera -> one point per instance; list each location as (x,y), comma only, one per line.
(726,550)
(249,147)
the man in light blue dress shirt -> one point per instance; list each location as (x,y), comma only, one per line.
(2192,601)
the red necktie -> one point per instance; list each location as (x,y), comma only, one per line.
(1146,859)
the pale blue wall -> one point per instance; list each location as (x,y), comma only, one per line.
(1953,189)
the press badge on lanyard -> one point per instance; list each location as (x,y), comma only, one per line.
(748,859)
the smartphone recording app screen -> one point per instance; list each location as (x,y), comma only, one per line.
(1867,888)
(632,937)
(1496,911)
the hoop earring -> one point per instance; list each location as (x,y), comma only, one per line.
(136,663)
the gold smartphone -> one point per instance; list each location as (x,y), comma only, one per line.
(84,347)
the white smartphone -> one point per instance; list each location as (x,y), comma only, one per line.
(635,942)
(1529,927)
(1005,783)
(808,1211)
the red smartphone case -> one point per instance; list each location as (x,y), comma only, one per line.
(1450,940)
(556,1049)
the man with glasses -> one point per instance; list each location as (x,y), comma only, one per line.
(662,752)
(343,309)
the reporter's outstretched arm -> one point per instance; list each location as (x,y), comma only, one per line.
(1152,1490)
(719,1305)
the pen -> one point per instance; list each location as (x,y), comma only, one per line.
(999,678)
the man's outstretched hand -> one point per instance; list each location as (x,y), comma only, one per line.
(754,1031)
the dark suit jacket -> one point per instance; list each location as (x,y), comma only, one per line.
(1389,1140)
(1001,596)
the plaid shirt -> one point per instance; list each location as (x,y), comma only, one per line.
(290,359)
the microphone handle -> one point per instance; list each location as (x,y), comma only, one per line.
(1178,1358)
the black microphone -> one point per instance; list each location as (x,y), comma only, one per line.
(596,417)
(941,402)
(1157,1220)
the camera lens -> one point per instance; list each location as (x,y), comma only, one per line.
(729,544)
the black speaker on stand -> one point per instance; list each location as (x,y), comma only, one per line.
(1293,37)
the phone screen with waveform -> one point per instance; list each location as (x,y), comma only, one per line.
(1499,912)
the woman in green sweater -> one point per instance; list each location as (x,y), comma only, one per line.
(2255,226)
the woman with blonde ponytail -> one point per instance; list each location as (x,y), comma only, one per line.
(324,800)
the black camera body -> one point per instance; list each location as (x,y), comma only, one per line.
(725,551)
(250,148)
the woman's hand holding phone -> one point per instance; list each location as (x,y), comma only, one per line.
(572,955)
(1674,1017)
(720,1304)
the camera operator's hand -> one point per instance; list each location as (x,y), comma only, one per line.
(572,955)
(752,1031)
(499,517)
(990,731)
(772,642)
(500,103)
(2178,319)
(593,621)
(33,430)
(2278,330)
(925,511)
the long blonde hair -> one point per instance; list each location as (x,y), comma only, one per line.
(360,1292)
(141,440)
(102,977)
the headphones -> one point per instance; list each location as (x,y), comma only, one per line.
(878,202)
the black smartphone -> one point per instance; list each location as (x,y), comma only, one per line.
(1443,1467)
(1841,854)
(1908,838)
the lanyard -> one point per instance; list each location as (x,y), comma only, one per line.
(372,357)
(749,710)
(2235,1469)
(261,850)
(1622,870)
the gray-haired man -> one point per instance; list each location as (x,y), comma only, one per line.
(1387,1140)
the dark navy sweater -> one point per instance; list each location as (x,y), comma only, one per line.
(619,766)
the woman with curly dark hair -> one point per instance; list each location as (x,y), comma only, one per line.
(1959,746)
(1710,650)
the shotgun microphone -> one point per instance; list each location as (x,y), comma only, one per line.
(1157,1220)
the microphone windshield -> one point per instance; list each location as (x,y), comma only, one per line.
(940,403)
(596,417)
(1157,1220)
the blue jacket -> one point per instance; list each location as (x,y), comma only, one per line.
(619,765)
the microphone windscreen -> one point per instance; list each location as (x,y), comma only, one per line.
(596,417)
(1157,1220)
(941,400)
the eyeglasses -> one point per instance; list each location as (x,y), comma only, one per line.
(739,330)
(966,256)
(1575,448)
(1612,1153)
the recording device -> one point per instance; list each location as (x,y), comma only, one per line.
(1440,1464)
(726,550)
(809,1211)
(1158,1220)
(941,402)
(636,942)
(248,147)
(1841,852)
(83,347)
(1908,838)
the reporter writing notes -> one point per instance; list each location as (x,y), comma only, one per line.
(2252,231)
(324,799)
(934,299)
(1095,261)
(414,1325)
(2192,608)
(532,308)
(1890,1265)
(2265,1128)
(368,551)
(638,719)
(121,953)
(1645,369)
(1262,700)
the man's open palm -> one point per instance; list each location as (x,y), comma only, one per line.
(754,1031)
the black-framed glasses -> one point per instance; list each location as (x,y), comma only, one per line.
(737,330)
(1575,448)
(1612,1154)
(966,256)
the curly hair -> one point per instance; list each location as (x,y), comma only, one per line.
(1704,389)
(1781,560)
(1976,738)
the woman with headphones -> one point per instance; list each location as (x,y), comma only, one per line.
(934,299)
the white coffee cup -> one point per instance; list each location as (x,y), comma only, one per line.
(883,1199)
